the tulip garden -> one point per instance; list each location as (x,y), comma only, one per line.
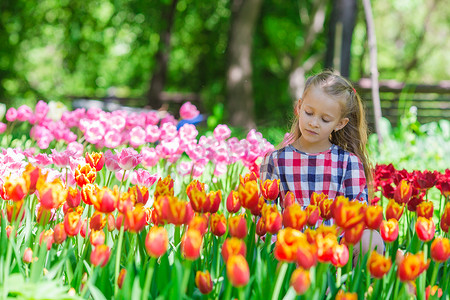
(120,205)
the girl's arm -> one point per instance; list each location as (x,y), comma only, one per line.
(355,184)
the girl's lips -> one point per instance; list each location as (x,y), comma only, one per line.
(311,132)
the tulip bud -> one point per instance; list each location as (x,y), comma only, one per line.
(394,210)
(300,281)
(261,227)
(425,229)
(425,209)
(100,255)
(233,203)
(237,226)
(373,216)
(403,192)
(288,199)
(59,233)
(27,256)
(233,246)
(294,216)
(249,194)
(121,277)
(238,271)
(270,189)
(312,212)
(157,241)
(97,237)
(191,244)
(73,197)
(440,249)
(218,224)
(203,282)
(215,198)
(340,255)
(389,230)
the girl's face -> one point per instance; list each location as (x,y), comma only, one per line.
(319,115)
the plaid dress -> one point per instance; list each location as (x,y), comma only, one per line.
(333,172)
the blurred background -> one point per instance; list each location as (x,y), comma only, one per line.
(241,62)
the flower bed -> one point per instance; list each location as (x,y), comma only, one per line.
(118,205)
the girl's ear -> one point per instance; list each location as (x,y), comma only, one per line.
(341,124)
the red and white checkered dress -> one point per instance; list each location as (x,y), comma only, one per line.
(333,172)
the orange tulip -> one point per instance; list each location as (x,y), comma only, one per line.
(425,229)
(252,176)
(85,174)
(191,244)
(373,216)
(378,265)
(440,249)
(256,211)
(287,244)
(238,271)
(203,282)
(105,200)
(341,295)
(312,212)
(95,159)
(14,188)
(237,226)
(199,222)
(72,223)
(294,216)
(425,209)
(97,221)
(325,245)
(97,237)
(340,255)
(176,214)
(389,230)
(218,224)
(52,194)
(136,219)
(307,255)
(233,246)
(261,227)
(164,187)
(249,194)
(157,241)
(13,210)
(59,233)
(215,198)
(89,193)
(317,198)
(100,255)
(47,237)
(394,210)
(403,192)
(197,194)
(300,281)
(270,189)
(412,266)
(288,199)
(139,194)
(73,197)
(353,235)
(349,214)
(325,208)
(433,291)
(273,221)
(233,202)
(121,277)
(337,202)
(31,176)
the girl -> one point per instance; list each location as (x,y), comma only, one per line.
(325,152)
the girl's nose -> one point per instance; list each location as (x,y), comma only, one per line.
(313,122)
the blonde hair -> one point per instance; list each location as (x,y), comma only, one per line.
(353,137)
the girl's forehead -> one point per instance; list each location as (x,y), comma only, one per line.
(317,99)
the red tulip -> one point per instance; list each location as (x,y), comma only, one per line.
(233,202)
(300,281)
(233,246)
(312,213)
(157,241)
(238,271)
(378,265)
(72,223)
(425,229)
(412,266)
(100,255)
(270,189)
(373,216)
(199,222)
(307,255)
(353,234)
(85,174)
(203,282)
(191,244)
(218,224)
(237,226)
(340,255)
(403,192)
(97,237)
(294,216)
(249,194)
(394,210)
(215,198)
(59,233)
(389,230)
(288,241)
(425,209)
(73,197)
(440,249)
(197,194)
(95,159)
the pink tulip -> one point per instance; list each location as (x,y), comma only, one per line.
(111,161)
(152,133)
(188,111)
(149,157)
(11,114)
(222,132)
(143,178)
(152,118)
(137,136)
(3,127)
(24,113)
(188,132)
(168,131)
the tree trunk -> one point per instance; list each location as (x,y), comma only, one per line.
(373,67)
(340,34)
(158,79)
(239,70)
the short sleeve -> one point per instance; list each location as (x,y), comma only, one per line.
(355,184)
(268,169)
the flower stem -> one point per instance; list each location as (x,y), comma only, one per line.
(118,253)
(279,281)
(186,274)
(434,275)
(148,278)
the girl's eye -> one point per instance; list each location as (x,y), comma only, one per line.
(308,113)
(325,121)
